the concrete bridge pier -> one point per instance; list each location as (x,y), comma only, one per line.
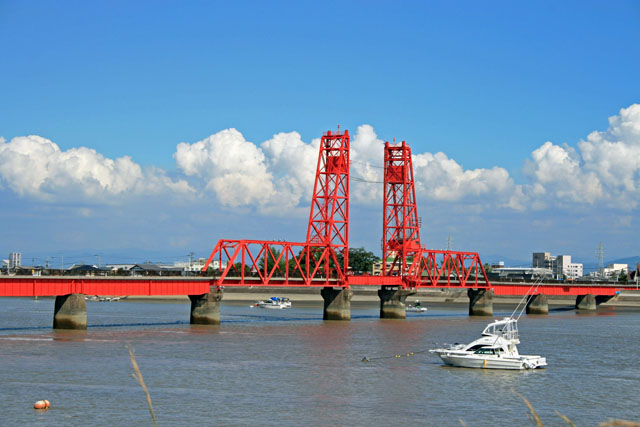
(337,303)
(392,302)
(480,302)
(586,302)
(70,312)
(538,304)
(205,308)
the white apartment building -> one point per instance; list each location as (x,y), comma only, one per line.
(614,270)
(198,264)
(574,270)
(15,259)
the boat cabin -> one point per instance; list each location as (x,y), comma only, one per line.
(506,328)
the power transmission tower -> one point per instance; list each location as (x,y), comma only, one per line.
(600,255)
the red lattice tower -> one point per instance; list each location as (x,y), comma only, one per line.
(401,247)
(401,227)
(329,216)
(322,260)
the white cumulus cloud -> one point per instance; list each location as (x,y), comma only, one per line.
(604,168)
(234,169)
(440,178)
(35,166)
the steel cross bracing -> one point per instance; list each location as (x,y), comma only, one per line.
(403,254)
(329,217)
(401,231)
(323,259)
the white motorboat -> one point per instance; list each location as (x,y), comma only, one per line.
(416,308)
(496,349)
(274,302)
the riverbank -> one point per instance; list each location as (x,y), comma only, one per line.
(363,294)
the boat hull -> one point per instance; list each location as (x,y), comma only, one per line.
(276,307)
(472,361)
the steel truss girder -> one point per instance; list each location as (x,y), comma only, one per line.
(275,263)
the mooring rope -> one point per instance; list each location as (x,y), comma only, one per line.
(395,356)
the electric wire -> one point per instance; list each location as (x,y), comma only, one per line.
(366,181)
(366,164)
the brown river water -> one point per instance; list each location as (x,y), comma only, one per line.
(289,367)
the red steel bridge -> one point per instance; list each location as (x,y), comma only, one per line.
(322,259)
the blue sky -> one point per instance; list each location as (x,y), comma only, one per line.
(485,83)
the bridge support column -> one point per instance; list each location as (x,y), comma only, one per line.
(480,302)
(392,304)
(337,303)
(205,308)
(538,304)
(70,312)
(586,302)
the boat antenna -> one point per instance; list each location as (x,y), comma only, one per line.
(526,298)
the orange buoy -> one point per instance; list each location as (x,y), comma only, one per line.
(47,404)
(40,404)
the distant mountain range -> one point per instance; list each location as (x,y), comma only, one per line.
(630,261)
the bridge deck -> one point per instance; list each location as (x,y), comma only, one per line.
(29,286)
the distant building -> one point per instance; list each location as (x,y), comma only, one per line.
(15,260)
(574,270)
(197,265)
(564,266)
(614,270)
(519,273)
(560,266)
(542,260)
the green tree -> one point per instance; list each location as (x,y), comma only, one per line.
(623,277)
(361,260)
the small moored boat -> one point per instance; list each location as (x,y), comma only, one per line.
(496,349)
(274,302)
(416,308)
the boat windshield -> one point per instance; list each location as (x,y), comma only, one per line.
(506,328)
(488,350)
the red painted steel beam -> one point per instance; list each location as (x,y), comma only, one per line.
(27,286)
(21,286)
(558,289)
